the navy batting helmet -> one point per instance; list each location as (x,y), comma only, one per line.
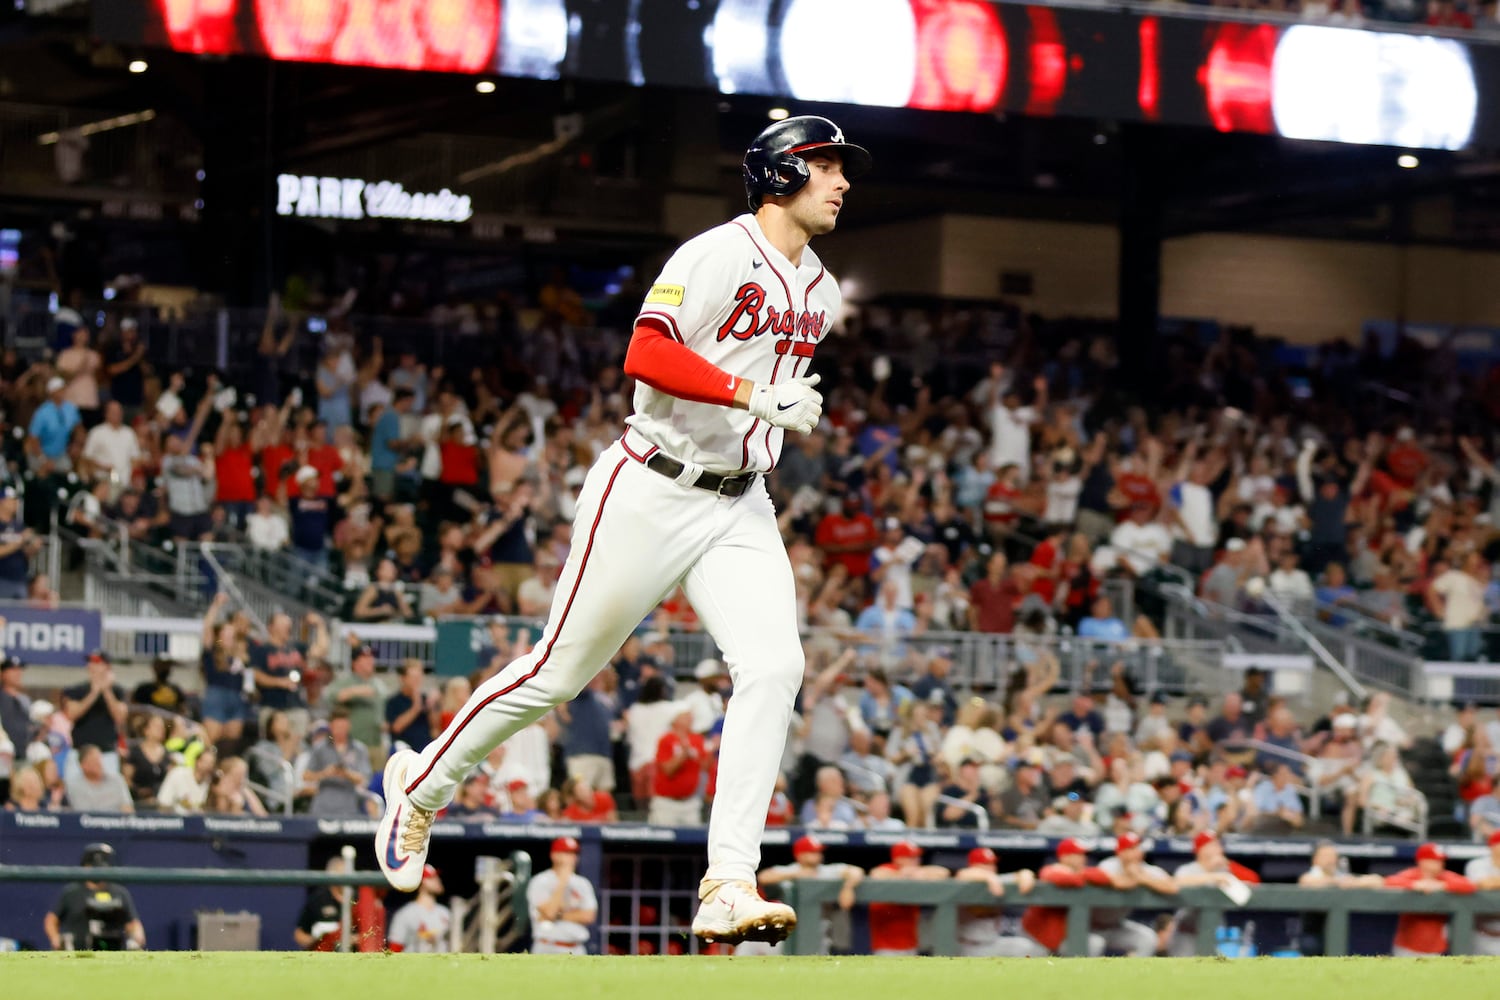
(97,856)
(774,164)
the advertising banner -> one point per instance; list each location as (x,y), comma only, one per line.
(52,637)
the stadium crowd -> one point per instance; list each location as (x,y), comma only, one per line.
(939,496)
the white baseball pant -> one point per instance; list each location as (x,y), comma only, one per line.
(557,948)
(636,536)
(1003,947)
(1182,945)
(1134,939)
(1486,944)
(1096,947)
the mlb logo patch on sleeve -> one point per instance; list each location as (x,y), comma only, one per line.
(670,295)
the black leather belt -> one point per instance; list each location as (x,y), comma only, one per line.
(724,486)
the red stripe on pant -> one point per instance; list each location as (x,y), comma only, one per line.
(562,619)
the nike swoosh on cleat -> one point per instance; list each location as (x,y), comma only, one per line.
(390,845)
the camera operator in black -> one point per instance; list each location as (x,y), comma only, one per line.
(95,915)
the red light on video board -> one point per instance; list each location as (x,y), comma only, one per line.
(1236,78)
(1148,93)
(961,56)
(1049,62)
(301,29)
(444,35)
(199,25)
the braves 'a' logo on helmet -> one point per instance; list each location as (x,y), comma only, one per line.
(774,164)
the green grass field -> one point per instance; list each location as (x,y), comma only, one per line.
(292,976)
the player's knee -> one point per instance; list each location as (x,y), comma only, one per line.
(785,668)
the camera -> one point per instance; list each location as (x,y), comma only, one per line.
(107,917)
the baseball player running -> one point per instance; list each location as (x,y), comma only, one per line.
(721,355)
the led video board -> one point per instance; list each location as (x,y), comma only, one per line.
(1301,81)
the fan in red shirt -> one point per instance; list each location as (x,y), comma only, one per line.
(680,760)
(994,598)
(585,805)
(1420,934)
(1134,487)
(893,926)
(324,456)
(277,464)
(848,537)
(1406,460)
(234,465)
(782,811)
(1048,925)
(1047,557)
(1208,867)
(460,458)
(1002,502)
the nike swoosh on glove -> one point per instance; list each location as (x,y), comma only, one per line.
(794,405)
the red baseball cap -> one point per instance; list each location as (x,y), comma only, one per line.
(983,856)
(1206,837)
(517,785)
(1127,841)
(1495,838)
(1432,852)
(905,849)
(1070,846)
(1236,772)
(807,844)
(430,872)
(566,845)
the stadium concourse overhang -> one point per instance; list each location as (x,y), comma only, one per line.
(611,128)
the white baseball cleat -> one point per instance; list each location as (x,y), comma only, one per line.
(401,838)
(732,912)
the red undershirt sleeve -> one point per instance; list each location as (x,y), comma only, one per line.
(658,359)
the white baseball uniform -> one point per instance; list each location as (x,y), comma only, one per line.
(421,929)
(559,937)
(1486,925)
(1119,933)
(979,936)
(740,305)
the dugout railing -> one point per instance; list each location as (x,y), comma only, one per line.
(810,896)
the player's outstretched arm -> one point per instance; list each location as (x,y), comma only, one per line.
(667,365)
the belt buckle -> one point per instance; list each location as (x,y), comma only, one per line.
(719,490)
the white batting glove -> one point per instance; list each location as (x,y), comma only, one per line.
(794,405)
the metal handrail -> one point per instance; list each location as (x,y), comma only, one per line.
(268,794)
(1308,764)
(867,771)
(1284,622)
(1360,621)
(1318,649)
(972,807)
(226,582)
